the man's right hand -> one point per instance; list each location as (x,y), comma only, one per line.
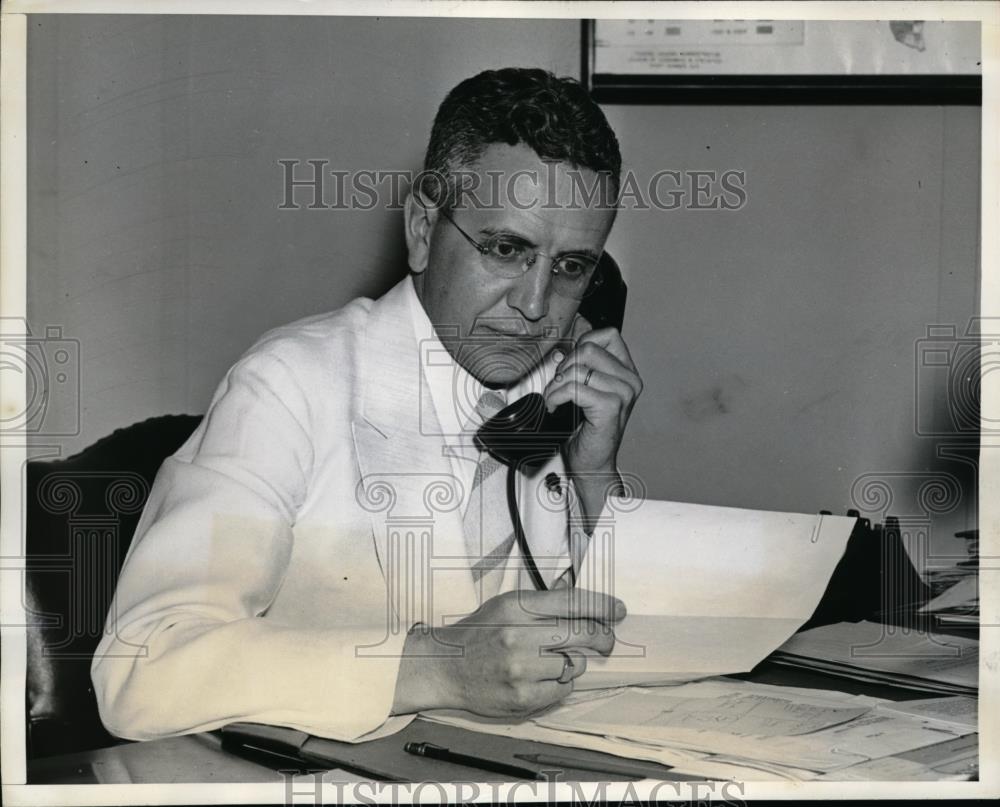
(505,659)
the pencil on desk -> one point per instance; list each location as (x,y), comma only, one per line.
(598,766)
(432,751)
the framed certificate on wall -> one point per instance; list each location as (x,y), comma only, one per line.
(783,61)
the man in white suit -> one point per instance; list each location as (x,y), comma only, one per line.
(321,552)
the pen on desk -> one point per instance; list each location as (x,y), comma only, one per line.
(444,755)
(599,766)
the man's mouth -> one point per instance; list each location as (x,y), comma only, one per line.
(505,330)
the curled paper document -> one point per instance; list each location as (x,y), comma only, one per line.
(964,594)
(709,590)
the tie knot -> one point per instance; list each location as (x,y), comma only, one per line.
(490,402)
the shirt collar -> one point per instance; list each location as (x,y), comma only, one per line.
(453,390)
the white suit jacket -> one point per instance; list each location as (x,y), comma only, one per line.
(293,540)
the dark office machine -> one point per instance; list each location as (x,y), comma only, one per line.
(971,538)
(874,580)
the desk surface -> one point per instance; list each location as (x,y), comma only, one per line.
(192,758)
(200,757)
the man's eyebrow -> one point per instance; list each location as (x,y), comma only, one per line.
(585,252)
(488,230)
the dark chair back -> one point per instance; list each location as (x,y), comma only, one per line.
(81,514)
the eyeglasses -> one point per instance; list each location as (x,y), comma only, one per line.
(511,257)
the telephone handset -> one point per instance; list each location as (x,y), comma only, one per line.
(523,432)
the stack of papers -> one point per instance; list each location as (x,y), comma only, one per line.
(886,654)
(941,578)
(958,604)
(714,590)
(728,729)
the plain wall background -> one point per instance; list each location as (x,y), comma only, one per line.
(777,342)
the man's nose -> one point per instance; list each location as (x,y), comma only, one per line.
(530,294)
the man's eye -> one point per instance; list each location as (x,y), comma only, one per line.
(505,250)
(574,268)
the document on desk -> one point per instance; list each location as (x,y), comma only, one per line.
(691,763)
(754,723)
(708,706)
(954,710)
(964,594)
(904,657)
(709,590)
(731,728)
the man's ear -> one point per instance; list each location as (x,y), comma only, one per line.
(420,215)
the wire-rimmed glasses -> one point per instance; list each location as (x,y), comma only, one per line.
(511,257)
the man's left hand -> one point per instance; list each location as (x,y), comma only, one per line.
(600,377)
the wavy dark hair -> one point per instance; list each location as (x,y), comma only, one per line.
(554,116)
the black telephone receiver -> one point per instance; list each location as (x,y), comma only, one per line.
(523,432)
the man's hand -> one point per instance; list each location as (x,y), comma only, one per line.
(505,660)
(600,377)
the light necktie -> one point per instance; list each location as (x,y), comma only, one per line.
(489,533)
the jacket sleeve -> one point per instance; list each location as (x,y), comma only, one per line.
(185,647)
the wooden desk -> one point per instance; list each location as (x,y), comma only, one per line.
(200,757)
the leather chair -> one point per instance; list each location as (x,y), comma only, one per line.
(81,514)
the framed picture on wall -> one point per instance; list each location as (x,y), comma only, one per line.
(782,61)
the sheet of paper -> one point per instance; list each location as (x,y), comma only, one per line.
(727,707)
(895,680)
(655,713)
(685,761)
(887,769)
(689,647)
(964,594)
(956,710)
(709,590)
(873,736)
(892,650)
(949,760)
(958,619)
(530,730)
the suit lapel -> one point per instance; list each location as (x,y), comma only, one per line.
(407,484)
